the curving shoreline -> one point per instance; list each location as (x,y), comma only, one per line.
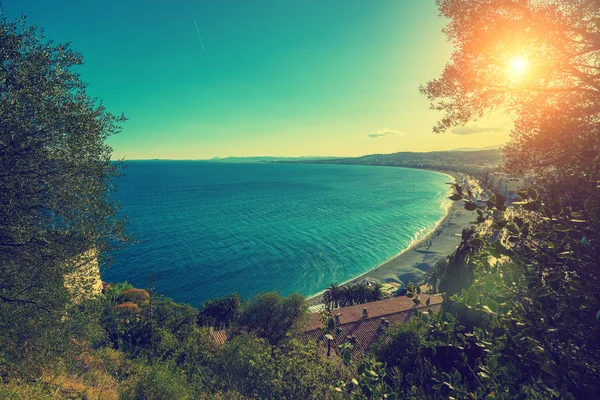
(421,256)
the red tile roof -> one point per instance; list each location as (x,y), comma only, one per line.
(375,309)
(220,337)
(365,331)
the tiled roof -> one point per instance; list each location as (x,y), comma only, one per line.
(365,331)
(375,309)
(221,336)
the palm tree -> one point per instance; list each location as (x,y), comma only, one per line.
(377,292)
(361,293)
(332,296)
(219,313)
(347,297)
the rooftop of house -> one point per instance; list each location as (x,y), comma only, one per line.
(363,329)
(374,309)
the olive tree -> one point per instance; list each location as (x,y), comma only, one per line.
(58,212)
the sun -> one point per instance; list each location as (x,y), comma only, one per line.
(518,66)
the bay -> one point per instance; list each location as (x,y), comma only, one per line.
(209,229)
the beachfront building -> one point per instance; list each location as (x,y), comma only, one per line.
(508,185)
(362,324)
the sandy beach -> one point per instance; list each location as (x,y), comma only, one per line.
(412,263)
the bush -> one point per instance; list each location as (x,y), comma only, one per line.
(162,383)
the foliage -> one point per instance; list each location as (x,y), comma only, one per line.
(272,317)
(220,313)
(554,100)
(136,296)
(403,350)
(533,289)
(343,296)
(291,370)
(534,285)
(162,383)
(56,205)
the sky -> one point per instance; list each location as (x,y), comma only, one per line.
(261,78)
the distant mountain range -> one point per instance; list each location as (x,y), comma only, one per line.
(265,159)
(496,146)
(457,160)
(462,159)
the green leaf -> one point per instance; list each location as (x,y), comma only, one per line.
(551,368)
(355,381)
(557,207)
(538,350)
(589,204)
(561,228)
(329,336)
(470,206)
(499,200)
(330,324)
(457,377)
(493,306)
(362,368)
(499,224)
(347,355)
(476,242)
(473,296)
(532,193)
(541,235)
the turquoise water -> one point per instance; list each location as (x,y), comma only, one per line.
(209,229)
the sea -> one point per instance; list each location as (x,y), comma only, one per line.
(205,230)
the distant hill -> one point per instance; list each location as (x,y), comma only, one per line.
(264,159)
(460,161)
(496,146)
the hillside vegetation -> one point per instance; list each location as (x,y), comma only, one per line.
(460,161)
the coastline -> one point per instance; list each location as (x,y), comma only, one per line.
(411,263)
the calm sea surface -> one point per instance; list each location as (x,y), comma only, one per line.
(209,229)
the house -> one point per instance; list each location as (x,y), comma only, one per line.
(362,324)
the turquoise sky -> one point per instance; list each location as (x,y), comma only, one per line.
(280,78)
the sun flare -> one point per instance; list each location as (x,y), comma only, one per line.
(518,66)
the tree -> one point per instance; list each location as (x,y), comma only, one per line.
(272,317)
(376,292)
(332,296)
(220,313)
(57,206)
(537,60)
